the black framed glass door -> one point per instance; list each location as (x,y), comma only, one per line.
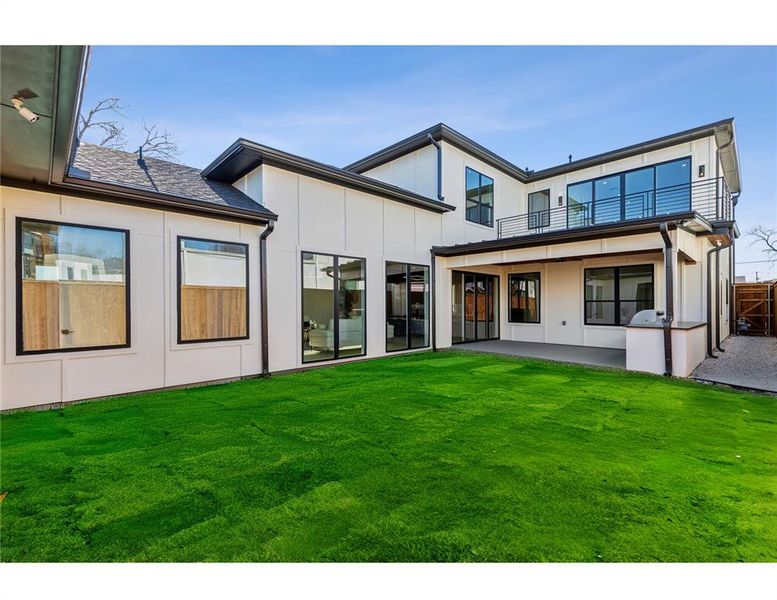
(475,307)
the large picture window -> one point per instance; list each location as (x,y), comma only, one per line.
(479,198)
(333,307)
(212,290)
(660,189)
(613,295)
(407,306)
(72,287)
(524,289)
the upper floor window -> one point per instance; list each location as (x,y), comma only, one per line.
(479,198)
(73,287)
(539,209)
(660,189)
(212,290)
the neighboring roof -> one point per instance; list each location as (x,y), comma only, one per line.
(244,155)
(691,221)
(722,130)
(158,177)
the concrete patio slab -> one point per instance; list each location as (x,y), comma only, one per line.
(748,361)
(600,357)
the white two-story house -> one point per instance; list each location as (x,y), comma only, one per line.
(122,273)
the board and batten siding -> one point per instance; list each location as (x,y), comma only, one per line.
(154,359)
(320,217)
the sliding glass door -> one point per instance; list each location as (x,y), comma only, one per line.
(407,306)
(474,307)
(333,307)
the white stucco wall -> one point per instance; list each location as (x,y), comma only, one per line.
(155,359)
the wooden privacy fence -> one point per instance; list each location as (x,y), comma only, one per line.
(65,314)
(756,305)
(210,312)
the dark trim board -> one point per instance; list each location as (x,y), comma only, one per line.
(563,236)
(178,258)
(243,156)
(20,351)
(126,197)
(442,132)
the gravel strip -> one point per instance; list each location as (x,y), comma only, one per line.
(748,361)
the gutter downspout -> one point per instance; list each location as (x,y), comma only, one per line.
(717,174)
(433,301)
(669,292)
(732,317)
(717,286)
(710,351)
(263,296)
(437,145)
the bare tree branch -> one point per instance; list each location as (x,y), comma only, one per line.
(765,236)
(98,118)
(159,144)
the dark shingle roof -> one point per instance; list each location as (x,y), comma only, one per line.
(117,167)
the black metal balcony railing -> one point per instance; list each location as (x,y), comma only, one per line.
(710,198)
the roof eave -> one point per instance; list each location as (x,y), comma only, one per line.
(227,168)
(167,200)
(440,132)
(673,139)
(564,236)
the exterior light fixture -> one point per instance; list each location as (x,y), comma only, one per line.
(702,170)
(18,104)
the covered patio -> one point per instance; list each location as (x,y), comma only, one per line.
(584,355)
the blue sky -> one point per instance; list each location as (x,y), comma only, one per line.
(532,105)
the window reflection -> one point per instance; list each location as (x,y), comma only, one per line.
(73,287)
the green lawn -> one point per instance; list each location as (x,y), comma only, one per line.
(430,457)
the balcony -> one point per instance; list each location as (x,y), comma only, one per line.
(710,198)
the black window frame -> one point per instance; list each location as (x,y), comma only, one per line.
(616,301)
(335,309)
(538,281)
(538,219)
(479,200)
(179,257)
(589,210)
(20,351)
(495,280)
(408,267)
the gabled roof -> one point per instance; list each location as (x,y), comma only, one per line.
(722,130)
(243,156)
(101,165)
(439,132)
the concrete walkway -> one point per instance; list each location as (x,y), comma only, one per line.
(748,361)
(600,357)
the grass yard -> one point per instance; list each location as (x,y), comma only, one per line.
(429,457)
